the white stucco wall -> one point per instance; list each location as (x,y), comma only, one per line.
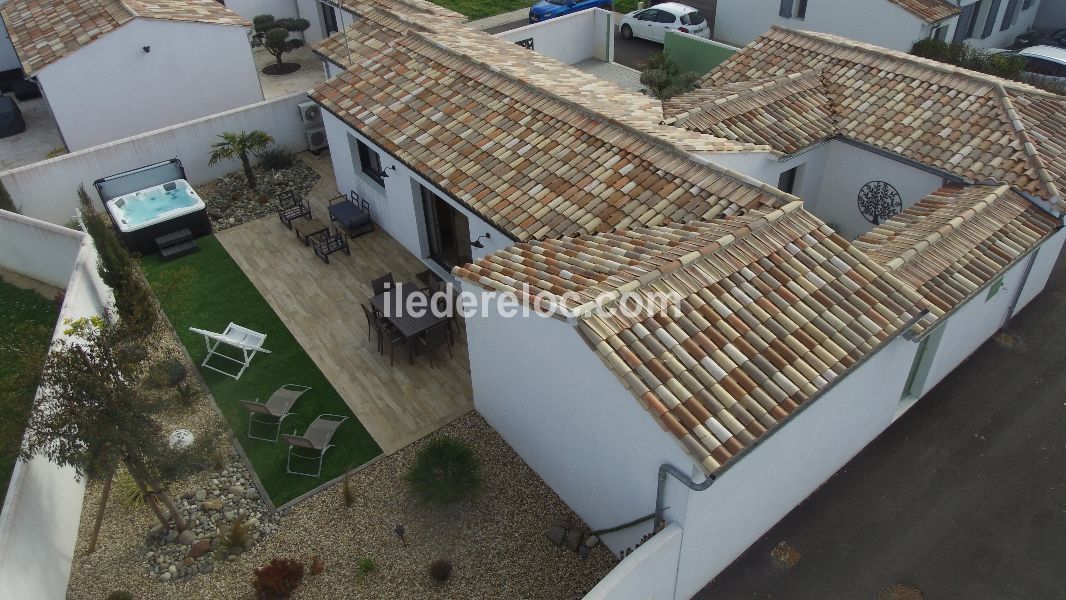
(312,11)
(571,38)
(878,22)
(768,168)
(847,169)
(249,9)
(42,509)
(1041,269)
(397,207)
(555,402)
(775,476)
(971,325)
(47,189)
(998,38)
(112,89)
(647,573)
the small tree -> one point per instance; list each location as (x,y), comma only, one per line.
(445,471)
(276,35)
(242,145)
(663,79)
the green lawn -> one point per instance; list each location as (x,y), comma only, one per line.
(217,292)
(18,308)
(479,9)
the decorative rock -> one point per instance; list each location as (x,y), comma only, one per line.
(171,536)
(573,539)
(237,490)
(201,495)
(172,570)
(557,535)
(187,537)
(592,541)
(563,522)
(211,505)
(164,577)
(200,548)
(251,494)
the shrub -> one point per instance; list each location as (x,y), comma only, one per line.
(276,158)
(365,566)
(663,79)
(127,491)
(185,393)
(120,595)
(440,569)
(1000,64)
(235,536)
(167,373)
(278,580)
(445,471)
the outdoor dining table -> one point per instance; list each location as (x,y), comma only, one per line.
(409,325)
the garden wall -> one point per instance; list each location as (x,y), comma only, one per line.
(571,38)
(694,54)
(47,190)
(647,573)
(39,522)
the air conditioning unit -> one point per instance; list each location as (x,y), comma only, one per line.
(310,114)
(316,138)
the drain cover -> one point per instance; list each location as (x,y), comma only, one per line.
(899,591)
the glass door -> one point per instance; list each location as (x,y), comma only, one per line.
(447,231)
(329,19)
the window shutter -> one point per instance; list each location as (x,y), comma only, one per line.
(962,23)
(1010,15)
(1027,4)
(786,9)
(990,20)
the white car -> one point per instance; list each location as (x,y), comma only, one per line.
(653,23)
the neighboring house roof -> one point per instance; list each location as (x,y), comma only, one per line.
(43,31)
(930,11)
(411,8)
(956,241)
(960,122)
(787,113)
(371,31)
(774,306)
(533,164)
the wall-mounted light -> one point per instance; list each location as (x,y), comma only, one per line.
(146,49)
(477,243)
(384,172)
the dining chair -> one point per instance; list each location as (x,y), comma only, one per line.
(383,284)
(435,337)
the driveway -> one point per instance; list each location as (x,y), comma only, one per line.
(964,497)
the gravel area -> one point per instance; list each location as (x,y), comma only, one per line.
(496,541)
(230,202)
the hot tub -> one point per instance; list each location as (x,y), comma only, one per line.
(144,215)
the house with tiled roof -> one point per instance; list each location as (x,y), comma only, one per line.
(110,69)
(669,332)
(894,24)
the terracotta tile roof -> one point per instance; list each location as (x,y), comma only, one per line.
(43,31)
(930,11)
(372,30)
(530,162)
(951,244)
(773,306)
(788,113)
(974,126)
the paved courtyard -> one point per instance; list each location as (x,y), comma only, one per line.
(964,497)
(34,144)
(310,74)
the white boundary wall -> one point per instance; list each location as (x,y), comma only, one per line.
(42,511)
(640,575)
(47,190)
(571,39)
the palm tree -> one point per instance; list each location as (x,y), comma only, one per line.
(241,145)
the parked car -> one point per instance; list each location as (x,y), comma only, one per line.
(1042,63)
(653,23)
(549,9)
(1041,37)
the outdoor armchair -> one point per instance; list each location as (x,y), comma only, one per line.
(273,411)
(314,443)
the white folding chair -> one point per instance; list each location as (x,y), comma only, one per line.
(247,341)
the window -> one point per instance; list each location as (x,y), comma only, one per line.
(649,15)
(787,181)
(966,22)
(786,9)
(801,11)
(1010,16)
(1026,4)
(990,19)
(370,161)
(692,18)
(665,17)
(447,231)
(940,33)
(329,19)
(994,289)
(1043,66)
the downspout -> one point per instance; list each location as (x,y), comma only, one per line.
(1021,287)
(660,493)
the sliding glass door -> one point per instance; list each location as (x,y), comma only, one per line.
(447,231)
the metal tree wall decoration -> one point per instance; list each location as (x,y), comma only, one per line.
(879,201)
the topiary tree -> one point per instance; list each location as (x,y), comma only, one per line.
(663,79)
(445,471)
(276,34)
(242,145)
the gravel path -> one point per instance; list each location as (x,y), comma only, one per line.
(496,541)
